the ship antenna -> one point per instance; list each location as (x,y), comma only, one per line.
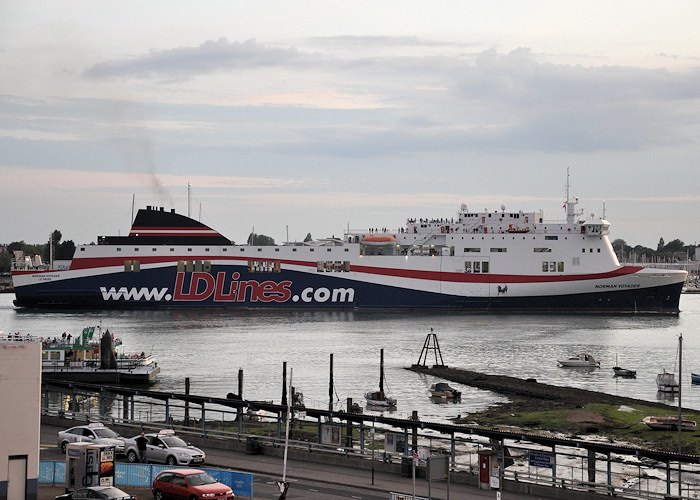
(189,196)
(133,200)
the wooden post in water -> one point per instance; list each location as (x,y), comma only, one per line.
(330,387)
(414,432)
(187,403)
(240,383)
(284,383)
(381,371)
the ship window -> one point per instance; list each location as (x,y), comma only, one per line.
(277,249)
(477,267)
(188,266)
(599,250)
(583,250)
(127,266)
(207,265)
(198,266)
(259,249)
(484,267)
(590,250)
(498,250)
(225,249)
(319,266)
(560,267)
(545,267)
(477,250)
(346,265)
(311,249)
(82,249)
(242,249)
(180,266)
(172,249)
(206,249)
(346,249)
(467,267)
(136,249)
(137,266)
(551,237)
(329,250)
(552,266)
(189,249)
(541,250)
(119,249)
(154,249)
(294,249)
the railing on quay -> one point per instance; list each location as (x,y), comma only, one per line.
(606,468)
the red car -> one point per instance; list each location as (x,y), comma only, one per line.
(189,484)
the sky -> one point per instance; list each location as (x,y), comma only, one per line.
(287,118)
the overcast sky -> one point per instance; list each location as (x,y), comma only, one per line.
(315,116)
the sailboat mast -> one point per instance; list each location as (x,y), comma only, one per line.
(680,409)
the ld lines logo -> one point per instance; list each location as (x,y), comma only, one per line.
(203,286)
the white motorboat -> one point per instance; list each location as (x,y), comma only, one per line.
(581,360)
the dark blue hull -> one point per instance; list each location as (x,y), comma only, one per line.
(235,286)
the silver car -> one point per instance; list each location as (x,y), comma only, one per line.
(92,433)
(166,448)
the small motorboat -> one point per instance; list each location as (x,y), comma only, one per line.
(695,378)
(444,391)
(581,360)
(669,423)
(624,372)
(666,382)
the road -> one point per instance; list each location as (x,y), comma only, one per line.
(308,480)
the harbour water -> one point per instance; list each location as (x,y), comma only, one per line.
(210,346)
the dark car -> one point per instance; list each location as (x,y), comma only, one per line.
(103,492)
(189,484)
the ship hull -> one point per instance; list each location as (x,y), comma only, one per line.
(164,287)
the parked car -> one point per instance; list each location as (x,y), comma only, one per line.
(166,448)
(92,433)
(189,484)
(103,492)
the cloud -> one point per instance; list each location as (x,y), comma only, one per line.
(185,62)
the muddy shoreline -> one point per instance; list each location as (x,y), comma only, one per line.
(575,413)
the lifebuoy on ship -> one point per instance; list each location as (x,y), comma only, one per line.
(442,229)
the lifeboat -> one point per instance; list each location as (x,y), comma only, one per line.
(378,239)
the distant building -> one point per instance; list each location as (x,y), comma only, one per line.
(20,414)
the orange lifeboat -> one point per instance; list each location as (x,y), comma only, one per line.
(378,239)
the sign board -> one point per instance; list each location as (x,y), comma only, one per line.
(541,459)
(395,442)
(437,467)
(330,434)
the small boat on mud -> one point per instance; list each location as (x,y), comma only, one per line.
(581,360)
(94,360)
(444,391)
(695,378)
(669,423)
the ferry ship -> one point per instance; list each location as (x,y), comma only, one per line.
(490,261)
